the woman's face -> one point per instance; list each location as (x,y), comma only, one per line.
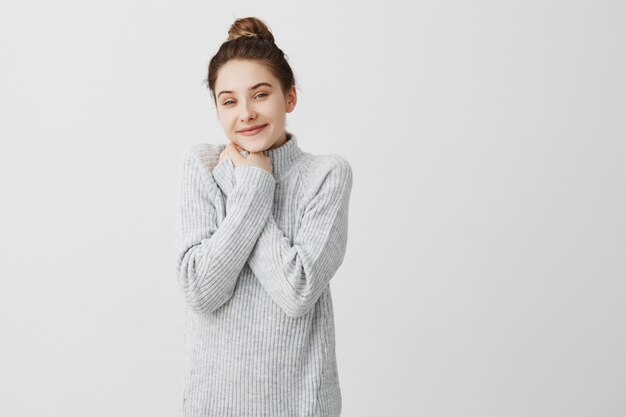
(249,95)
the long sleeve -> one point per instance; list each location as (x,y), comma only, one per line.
(211,256)
(295,275)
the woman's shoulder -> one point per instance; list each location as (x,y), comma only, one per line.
(315,169)
(199,161)
(320,164)
(204,154)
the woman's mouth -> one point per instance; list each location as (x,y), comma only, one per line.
(252,132)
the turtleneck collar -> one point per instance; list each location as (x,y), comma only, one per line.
(284,156)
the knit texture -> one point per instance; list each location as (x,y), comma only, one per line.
(256,252)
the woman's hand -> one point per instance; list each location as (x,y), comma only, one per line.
(257,159)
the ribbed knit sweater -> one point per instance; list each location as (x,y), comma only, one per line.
(256,253)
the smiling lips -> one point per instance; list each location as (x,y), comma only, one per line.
(252,131)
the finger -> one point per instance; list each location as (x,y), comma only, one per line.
(234,153)
(239,150)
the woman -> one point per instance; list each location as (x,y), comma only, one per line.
(261,229)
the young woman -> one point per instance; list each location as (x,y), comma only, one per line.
(262,228)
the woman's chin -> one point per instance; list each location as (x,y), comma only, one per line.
(254,148)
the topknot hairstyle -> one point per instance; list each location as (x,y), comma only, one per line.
(249,38)
(250,27)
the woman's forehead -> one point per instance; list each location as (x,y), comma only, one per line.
(238,75)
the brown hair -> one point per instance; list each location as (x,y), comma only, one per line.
(249,38)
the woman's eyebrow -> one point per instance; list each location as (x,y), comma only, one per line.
(251,88)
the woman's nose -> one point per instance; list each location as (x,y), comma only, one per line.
(247,112)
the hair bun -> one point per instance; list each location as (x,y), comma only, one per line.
(250,27)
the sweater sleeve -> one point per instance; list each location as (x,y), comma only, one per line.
(211,256)
(295,275)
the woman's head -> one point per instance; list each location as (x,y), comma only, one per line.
(252,84)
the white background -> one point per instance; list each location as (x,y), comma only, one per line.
(486,263)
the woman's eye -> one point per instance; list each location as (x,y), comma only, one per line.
(227,102)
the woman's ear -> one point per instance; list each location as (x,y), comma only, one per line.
(291,98)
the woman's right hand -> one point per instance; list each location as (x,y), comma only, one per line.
(257,159)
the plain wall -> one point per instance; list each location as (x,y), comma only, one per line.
(485,271)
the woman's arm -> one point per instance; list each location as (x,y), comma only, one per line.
(295,275)
(210,258)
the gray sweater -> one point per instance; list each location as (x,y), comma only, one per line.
(256,252)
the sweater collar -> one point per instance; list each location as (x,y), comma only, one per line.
(284,156)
